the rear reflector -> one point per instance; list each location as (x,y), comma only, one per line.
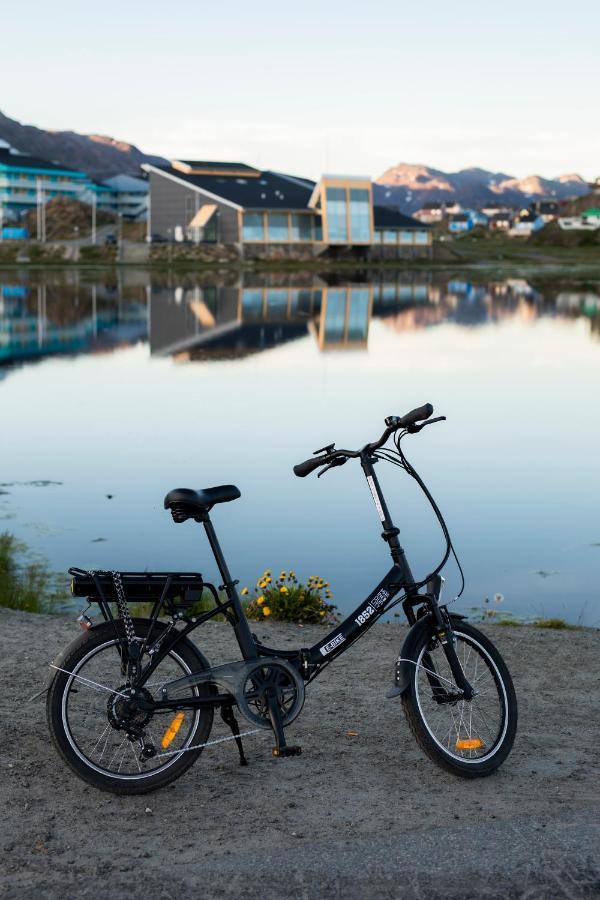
(172,730)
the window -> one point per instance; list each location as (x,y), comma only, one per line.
(301,228)
(209,232)
(335,315)
(252,302)
(336,214)
(278,227)
(318,229)
(390,237)
(277,301)
(421,237)
(360,215)
(358,315)
(253,227)
(406,237)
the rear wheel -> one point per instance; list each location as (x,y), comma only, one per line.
(93,723)
(469,738)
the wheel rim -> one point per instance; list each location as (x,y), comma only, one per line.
(90,733)
(454,726)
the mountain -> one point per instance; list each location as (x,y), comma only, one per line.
(99,156)
(408,187)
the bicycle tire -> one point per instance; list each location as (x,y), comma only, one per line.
(461,762)
(189,658)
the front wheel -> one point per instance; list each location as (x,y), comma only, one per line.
(468,738)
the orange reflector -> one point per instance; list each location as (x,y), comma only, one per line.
(469,744)
(172,730)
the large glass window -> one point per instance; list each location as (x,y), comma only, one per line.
(335,315)
(277,303)
(406,237)
(252,303)
(390,237)
(360,215)
(318,224)
(421,237)
(278,227)
(301,229)
(253,227)
(337,225)
(358,314)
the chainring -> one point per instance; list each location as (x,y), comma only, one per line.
(282,681)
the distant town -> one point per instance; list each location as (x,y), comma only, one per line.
(232,210)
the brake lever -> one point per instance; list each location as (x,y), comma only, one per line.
(414,429)
(336,462)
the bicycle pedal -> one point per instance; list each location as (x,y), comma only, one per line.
(287,751)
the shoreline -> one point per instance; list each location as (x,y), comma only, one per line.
(361,814)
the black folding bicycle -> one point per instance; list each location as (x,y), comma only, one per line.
(131,702)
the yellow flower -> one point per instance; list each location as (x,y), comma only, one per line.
(282,574)
(328,594)
(266,611)
(267,572)
(322,613)
(283,590)
(244,591)
(268,580)
(260,600)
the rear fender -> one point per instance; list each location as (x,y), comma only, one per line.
(404,666)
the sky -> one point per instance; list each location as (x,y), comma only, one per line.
(317,87)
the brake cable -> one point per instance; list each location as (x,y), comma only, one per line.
(398,458)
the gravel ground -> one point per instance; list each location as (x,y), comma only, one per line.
(365,816)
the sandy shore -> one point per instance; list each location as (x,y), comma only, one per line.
(353,817)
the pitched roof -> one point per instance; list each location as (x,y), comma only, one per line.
(387,217)
(24,161)
(269,190)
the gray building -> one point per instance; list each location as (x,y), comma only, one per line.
(270,213)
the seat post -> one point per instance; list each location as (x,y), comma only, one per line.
(241,627)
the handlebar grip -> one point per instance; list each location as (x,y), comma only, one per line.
(416,415)
(309,465)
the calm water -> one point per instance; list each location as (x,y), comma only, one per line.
(115,391)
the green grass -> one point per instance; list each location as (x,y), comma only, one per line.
(27,583)
(555,624)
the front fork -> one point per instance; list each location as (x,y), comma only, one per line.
(445,635)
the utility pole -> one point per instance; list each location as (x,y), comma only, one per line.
(93,216)
(149,220)
(38,209)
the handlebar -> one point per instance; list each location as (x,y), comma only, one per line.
(329,456)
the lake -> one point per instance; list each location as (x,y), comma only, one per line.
(117,387)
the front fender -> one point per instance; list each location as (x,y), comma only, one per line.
(403,668)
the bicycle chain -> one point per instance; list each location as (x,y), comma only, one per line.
(123,608)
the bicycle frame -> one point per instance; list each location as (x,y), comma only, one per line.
(309,660)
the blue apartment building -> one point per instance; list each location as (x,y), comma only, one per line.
(26,181)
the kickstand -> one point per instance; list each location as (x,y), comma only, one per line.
(229,719)
(281,748)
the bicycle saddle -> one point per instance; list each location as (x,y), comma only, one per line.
(187,500)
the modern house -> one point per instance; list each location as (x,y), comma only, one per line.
(271,214)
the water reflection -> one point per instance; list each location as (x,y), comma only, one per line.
(203,317)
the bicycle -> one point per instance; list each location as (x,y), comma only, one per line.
(131,702)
